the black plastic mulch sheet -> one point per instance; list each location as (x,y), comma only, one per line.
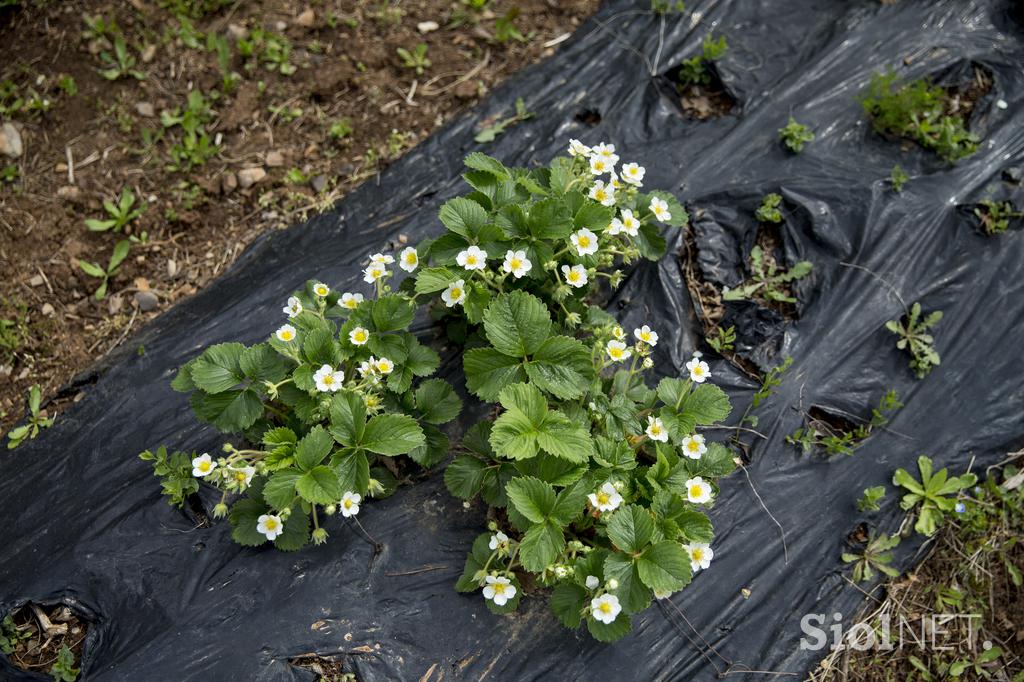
(84,521)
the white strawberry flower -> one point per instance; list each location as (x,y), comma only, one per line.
(351,301)
(577,148)
(498,541)
(614,227)
(286,333)
(203,465)
(384,366)
(599,165)
(607,498)
(619,333)
(618,351)
(516,263)
(699,370)
(374,272)
(455,293)
(615,182)
(350,504)
(701,555)
(473,258)
(659,594)
(606,152)
(499,590)
(585,241)
(270,525)
(409,259)
(698,491)
(381,259)
(605,608)
(243,475)
(359,336)
(630,225)
(646,335)
(576,276)
(328,380)
(293,308)
(592,582)
(694,446)
(656,430)
(633,174)
(659,207)
(603,194)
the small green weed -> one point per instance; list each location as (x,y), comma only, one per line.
(836,436)
(104,274)
(722,340)
(898,178)
(121,63)
(34,424)
(931,497)
(995,216)
(868,502)
(914,338)
(121,214)
(769,211)
(695,70)
(877,556)
(416,59)
(795,135)
(63,669)
(767,280)
(492,131)
(195,146)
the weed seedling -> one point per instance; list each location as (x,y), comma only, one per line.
(820,433)
(995,216)
(416,60)
(917,111)
(121,214)
(492,131)
(695,70)
(273,50)
(9,174)
(769,211)
(120,64)
(898,178)
(505,28)
(795,135)
(767,280)
(195,146)
(668,6)
(877,556)
(94,270)
(340,129)
(35,422)
(285,112)
(63,669)
(931,496)
(722,340)
(868,502)
(67,85)
(915,339)
(10,635)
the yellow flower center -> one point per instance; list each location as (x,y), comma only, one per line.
(698,370)
(695,491)
(470,260)
(348,504)
(693,446)
(329,379)
(583,241)
(239,475)
(410,259)
(287,335)
(605,607)
(456,292)
(271,524)
(655,430)
(371,401)
(205,466)
(573,276)
(603,498)
(351,303)
(499,588)
(600,195)
(599,165)
(360,336)
(515,264)
(698,554)
(616,353)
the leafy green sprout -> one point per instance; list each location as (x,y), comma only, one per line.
(696,69)
(340,129)
(93,269)
(772,379)
(9,174)
(121,214)
(877,556)
(897,178)
(795,135)
(917,111)
(10,635)
(489,133)
(868,502)
(14,331)
(97,27)
(931,497)
(505,28)
(820,434)
(769,211)
(995,216)
(194,147)
(121,63)
(63,669)
(767,280)
(668,6)
(915,338)
(416,59)
(722,340)
(273,50)
(34,424)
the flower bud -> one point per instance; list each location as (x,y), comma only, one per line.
(227,447)
(573,319)
(618,485)
(220,511)
(551,265)
(616,279)
(492,526)
(613,584)
(319,536)
(648,363)
(331,509)
(376,488)
(285,513)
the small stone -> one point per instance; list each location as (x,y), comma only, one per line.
(427,26)
(281,26)
(10,141)
(466,90)
(148,53)
(114,304)
(146,300)
(69,193)
(247,177)
(238,32)
(145,109)
(307,18)
(172,268)
(36,281)
(47,309)
(228,183)
(318,183)
(275,159)
(1001,103)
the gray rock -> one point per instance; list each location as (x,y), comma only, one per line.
(275,159)
(145,109)
(318,183)
(247,177)
(146,300)
(10,141)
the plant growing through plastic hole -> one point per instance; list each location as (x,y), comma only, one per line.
(868,502)
(10,635)
(917,111)
(795,135)
(599,480)
(821,435)
(63,669)
(898,178)
(94,269)
(931,497)
(121,214)
(769,211)
(34,424)
(914,337)
(722,340)
(995,216)
(488,133)
(771,380)
(767,280)
(415,59)
(697,69)
(318,411)
(877,556)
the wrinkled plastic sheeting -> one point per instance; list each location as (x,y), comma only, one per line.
(84,521)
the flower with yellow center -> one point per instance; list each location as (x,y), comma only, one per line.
(603,194)
(630,224)
(473,258)
(693,446)
(350,504)
(659,207)
(203,465)
(286,333)
(409,259)
(599,165)
(351,301)
(499,542)
(499,589)
(270,525)
(455,293)
(321,289)
(619,333)
(585,242)
(374,272)
(699,370)
(656,430)
(516,263)
(359,336)
(698,491)
(606,152)
(371,401)
(243,476)
(328,380)
(381,259)
(633,174)
(605,608)
(384,366)
(576,276)
(294,307)
(618,351)
(701,555)
(645,334)
(577,148)
(606,499)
